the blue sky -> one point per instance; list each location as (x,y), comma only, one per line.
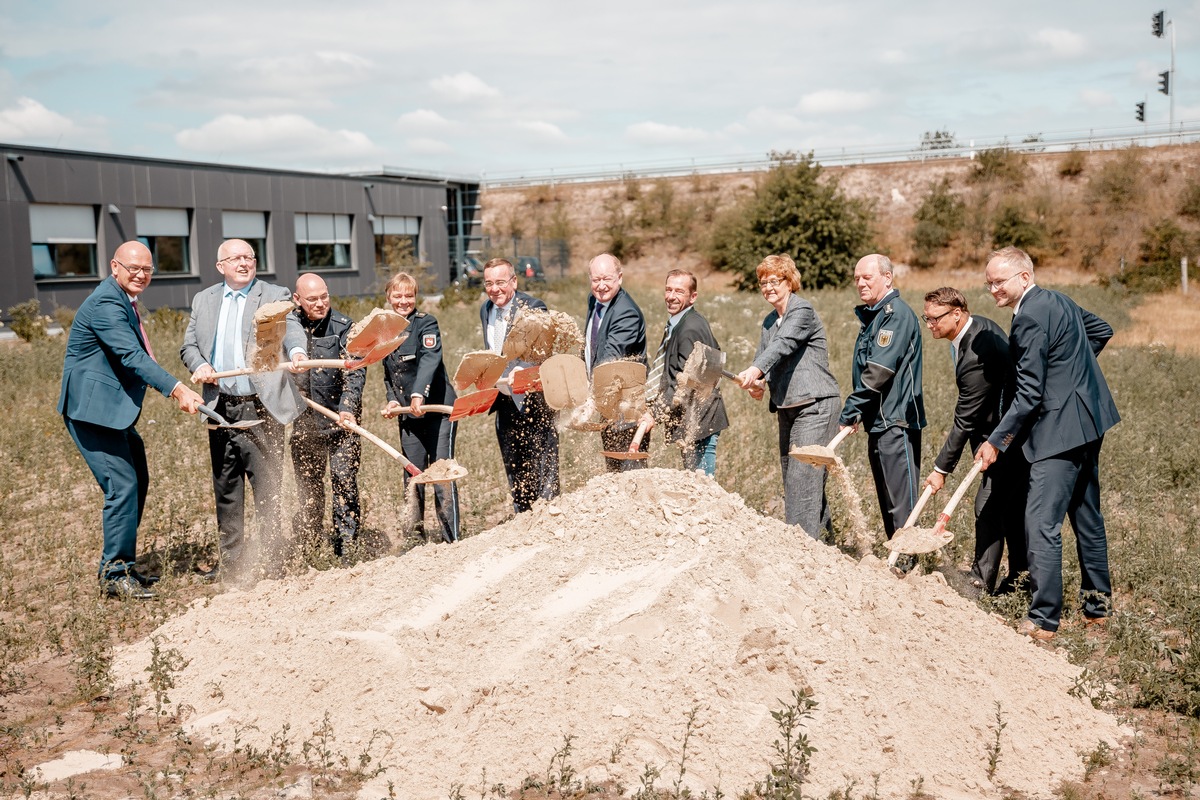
(471,87)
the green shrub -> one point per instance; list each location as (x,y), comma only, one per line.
(1157,267)
(999,165)
(28,322)
(1073,164)
(941,215)
(1118,184)
(793,211)
(1013,228)
(1189,202)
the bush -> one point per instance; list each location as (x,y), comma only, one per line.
(999,165)
(1118,184)
(1157,266)
(1189,202)
(1073,164)
(792,211)
(1012,228)
(28,322)
(941,215)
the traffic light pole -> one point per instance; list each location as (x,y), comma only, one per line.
(1174,85)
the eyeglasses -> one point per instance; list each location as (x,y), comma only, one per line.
(995,286)
(136,270)
(771,283)
(931,320)
(498,284)
(237,259)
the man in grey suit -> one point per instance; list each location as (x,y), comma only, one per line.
(218,337)
(1059,415)
(984,376)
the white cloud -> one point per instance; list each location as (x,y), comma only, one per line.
(833,101)
(546,131)
(1061,43)
(770,119)
(463,87)
(894,57)
(425,146)
(658,133)
(423,121)
(283,136)
(1095,98)
(29,120)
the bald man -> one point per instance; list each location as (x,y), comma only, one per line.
(886,399)
(316,439)
(107,367)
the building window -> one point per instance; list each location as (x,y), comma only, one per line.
(64,241)
(165,231)
(250,227)
(322,241)
(396,241)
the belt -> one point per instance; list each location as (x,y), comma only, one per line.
(237,398)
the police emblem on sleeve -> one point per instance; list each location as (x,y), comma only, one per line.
(884,338)
(429,340)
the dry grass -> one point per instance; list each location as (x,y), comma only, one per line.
(1171,320)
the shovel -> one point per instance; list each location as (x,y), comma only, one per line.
(481,369)
(703,370)
(431,407)
(909,523)
(634,453)
(820,455)
(466,406)
(619,390)
(447,472)
(527,380)
(220,422)
(926,540)
(564,381)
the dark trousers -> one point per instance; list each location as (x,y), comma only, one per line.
(254,454)
(895,456)
(117,459)
(424,440)
(314,446)
(804,500)
(616,438)
(528,444)
(1000,520)
(1067,485)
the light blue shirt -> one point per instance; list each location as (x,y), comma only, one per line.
(232,303)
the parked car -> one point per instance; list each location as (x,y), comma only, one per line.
(529,267)
(470,272)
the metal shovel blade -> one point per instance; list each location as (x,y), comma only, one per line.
(564,381)
(914,541)
(481,369)
(820,455)
(221,422)
(702,371)
(474,403)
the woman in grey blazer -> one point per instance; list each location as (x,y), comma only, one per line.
(794,360)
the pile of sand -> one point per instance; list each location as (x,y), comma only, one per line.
(610,615)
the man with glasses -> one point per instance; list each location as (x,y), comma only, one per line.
(108,365)
(1060,412)
(615,329)
(983,374)
(525,428)
(886,399)
(219,334)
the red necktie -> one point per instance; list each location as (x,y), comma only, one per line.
(142,330)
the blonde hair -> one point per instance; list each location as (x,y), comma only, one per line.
(780,266)
(398,280)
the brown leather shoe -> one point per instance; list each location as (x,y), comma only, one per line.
(1028,627)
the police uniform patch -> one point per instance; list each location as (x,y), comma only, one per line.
(429,341)
(884,338)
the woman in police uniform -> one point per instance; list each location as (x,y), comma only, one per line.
(415,375)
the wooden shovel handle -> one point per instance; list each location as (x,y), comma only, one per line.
(311,363)
(428,408)
(636,444)
(912,520)
(409,467)
(842,434)
(958,495)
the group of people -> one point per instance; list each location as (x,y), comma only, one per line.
(1032,405)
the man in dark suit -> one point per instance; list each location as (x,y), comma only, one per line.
(316,439)
(983,373)
(525,428)
(694,425)
(218,338)
(107,367)
(615,330)
(1060,412)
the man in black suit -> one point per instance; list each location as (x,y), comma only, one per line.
(694,425)
(1060,412)
(525,428)
(983,373)
(615,329)
(107,367)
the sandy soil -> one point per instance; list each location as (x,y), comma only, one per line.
(608,616)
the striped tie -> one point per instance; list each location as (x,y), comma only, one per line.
(142,331)
(654,379)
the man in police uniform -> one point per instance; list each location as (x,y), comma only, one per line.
(886,399)
(317,440)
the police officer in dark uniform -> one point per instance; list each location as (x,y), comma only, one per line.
(415,375)
(315,438)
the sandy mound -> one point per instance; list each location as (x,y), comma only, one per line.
(609,616)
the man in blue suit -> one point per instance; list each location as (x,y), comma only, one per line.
(106,370)
(1059,414)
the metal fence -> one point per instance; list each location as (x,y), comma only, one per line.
(1104,139)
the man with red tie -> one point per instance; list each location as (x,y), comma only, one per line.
(107,367)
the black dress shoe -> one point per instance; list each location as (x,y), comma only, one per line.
(126,587)
(145,580)
(210,575)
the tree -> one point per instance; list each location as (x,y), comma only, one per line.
(941,215)
(1157,268)
(793,211)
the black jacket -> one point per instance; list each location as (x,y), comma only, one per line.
(622,332)
(416,366)
(984,376)
(335,389)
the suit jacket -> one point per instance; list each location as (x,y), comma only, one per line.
(984,376)
(107,369)
(1061,400)
(275,389)
(886,368)
(701,421)
(622,333)
(520,300)
(794,357)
